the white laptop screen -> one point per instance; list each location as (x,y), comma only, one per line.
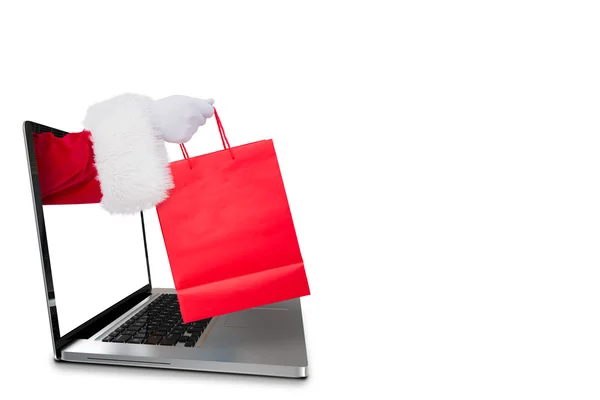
(97,259)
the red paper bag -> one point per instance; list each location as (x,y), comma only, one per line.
(229,233)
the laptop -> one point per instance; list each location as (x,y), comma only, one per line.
(103,308)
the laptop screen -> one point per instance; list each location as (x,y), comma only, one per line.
(97,259)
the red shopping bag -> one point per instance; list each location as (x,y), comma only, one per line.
(229,233)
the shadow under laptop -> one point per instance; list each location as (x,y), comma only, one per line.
(160,373)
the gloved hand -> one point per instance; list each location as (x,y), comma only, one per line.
(179,117)
(127,136)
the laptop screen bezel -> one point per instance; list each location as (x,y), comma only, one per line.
(99,321)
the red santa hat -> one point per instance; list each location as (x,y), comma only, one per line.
(120,159)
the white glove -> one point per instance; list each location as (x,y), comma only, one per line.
(179,117)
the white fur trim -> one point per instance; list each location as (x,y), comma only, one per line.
(129,153)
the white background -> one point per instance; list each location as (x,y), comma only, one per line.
(442,164)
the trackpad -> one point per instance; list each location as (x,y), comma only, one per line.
(257,326)
(257,316)
(270,334)
(254,318)
(240,320)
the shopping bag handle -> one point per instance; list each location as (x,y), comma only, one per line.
(224,140)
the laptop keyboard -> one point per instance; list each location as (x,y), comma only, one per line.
(159,323)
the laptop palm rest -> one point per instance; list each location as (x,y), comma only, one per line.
(262,341)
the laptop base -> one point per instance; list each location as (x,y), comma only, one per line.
(266,341)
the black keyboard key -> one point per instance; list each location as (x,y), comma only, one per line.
(198,328)
(154,339)
(190,343)
(160,322)
(122,339)
(169,341)
(107,339)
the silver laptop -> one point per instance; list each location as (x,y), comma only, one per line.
(103,309)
